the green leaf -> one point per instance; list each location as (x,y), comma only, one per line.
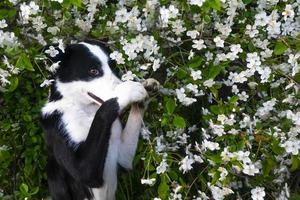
(215,4)
(72,2)
(7,14)
(164,121)
(214,71)
(196,62)
(217,109)
(181,73)
(24,63)
(276,148)
(170,105)
(207,19)
(179,122)
(14,82)
(295,163)
(247,1)
(280,48)
(163,189)
(268,165)
(76,2)
(24,188)
(34,191)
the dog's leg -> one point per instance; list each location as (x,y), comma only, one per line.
(86,164)
(130,136)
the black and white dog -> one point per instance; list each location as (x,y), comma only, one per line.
(84,136)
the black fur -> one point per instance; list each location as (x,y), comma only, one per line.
(72,171)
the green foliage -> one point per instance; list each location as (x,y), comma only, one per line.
(178,131)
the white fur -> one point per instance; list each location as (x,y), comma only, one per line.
(78,111)
(130,136)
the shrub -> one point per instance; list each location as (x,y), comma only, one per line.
(226,121)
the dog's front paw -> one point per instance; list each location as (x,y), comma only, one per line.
(129,92)
(151,85)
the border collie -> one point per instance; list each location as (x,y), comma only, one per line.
(84,137)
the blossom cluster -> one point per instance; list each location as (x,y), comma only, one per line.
(226,119)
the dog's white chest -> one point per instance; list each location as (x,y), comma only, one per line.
(77,123)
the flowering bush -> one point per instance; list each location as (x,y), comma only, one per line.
(226,121)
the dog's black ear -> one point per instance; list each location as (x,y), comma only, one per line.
(102,42)
(53,52)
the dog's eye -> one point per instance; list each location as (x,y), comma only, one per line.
(94,72)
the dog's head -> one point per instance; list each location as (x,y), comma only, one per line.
(85,72)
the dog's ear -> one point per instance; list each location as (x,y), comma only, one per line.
(54,52)
(102,42)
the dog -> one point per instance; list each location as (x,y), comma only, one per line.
(84,136)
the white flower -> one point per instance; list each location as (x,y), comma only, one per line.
(162,167)
(193,88)
(210,145)
(61,45)
(122,15)
(198,44)
(267,107)
(197,2)
(3,77)
(220,193)
(251,31)
(209,83)
(156,64)
(34,8)
(52,51)
(3,23)
(177,26)
(53,30)
(235,89)
(243,96)
(196,75)
(242,156)
(191,54)
(291,146)
(209,56)
(186,164)
(129,76)
(261,19)
(253,60)
(13,1)
(294,117)
(198,159)
(46,83)
(25,13)
(118,57)
(192,34)
(288,12)
(258,193)
(219,42)
(226,155)
(84,25)
(250,169)
(168,13)
(148,181)
(236,48)
(264,73)
(54,67)
(217,129)
(59,1)
(223,174)
(180,93)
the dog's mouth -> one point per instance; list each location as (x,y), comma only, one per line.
(95,98)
